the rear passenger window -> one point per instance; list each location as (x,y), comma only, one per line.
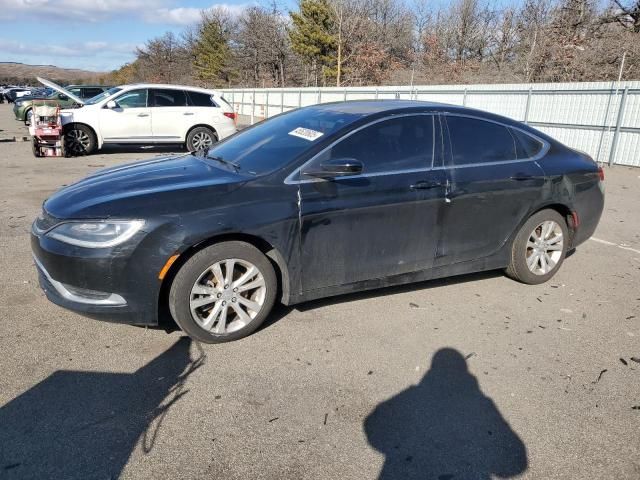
(526,145)
(168,98)
(199,99)
(396,144)
(478,141)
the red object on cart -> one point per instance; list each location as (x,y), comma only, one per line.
(46,131)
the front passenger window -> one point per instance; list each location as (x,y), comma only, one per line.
(133,99)
(402,143)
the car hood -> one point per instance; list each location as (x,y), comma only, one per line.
(55,86)
(162,183)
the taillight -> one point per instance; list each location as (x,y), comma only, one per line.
(601,173)
(232,115)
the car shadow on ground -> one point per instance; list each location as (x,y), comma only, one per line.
(406,288)
(83,425)
(445,428)
(122,148)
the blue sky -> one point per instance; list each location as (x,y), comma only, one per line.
(101,35)
(96,35)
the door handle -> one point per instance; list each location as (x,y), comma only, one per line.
(143,114)
(519,177)
(424,185)
(188,113)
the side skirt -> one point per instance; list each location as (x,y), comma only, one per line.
(495,262)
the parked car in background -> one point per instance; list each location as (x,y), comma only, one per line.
(11,93)
(147,114)
(319,201)
(23,107)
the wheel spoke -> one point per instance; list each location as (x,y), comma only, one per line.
(549,261)
(213,313)
(203,290)
(530,244)
(229,267)
(554,247)
(250,304)
(543,263)
(217,273)
(533,260)
(257,283)
(556,239)
(248,275)
(242,315)
(221,326)
(201,302)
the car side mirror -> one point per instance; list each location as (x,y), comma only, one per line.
(111,104)
(62,96)
(336,167)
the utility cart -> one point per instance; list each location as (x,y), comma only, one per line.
(46,131)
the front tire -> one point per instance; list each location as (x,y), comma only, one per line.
(200,138)
(223,292)
(80,140)
(539,248)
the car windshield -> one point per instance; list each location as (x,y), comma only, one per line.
(102,96)
(274,143)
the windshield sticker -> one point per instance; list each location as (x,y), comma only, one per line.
(306,133)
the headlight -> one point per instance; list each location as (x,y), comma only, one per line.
(96,234)
(19,103)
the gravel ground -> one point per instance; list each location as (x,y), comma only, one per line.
(473,377)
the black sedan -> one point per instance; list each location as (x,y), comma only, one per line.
(320,201)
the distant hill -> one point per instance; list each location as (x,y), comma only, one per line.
(12,72)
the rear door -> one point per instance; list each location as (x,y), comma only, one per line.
(381,222)
(129,121)
(170,115)
(493,182)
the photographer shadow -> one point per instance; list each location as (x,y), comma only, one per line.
(85,425)
(445,428)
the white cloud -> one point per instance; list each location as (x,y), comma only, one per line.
(85,49)
(151,11)
(74,10)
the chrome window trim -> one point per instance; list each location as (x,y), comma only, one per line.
(290,180)
(543,151)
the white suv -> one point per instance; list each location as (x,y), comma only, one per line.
(146,114)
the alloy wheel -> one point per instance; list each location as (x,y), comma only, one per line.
(544,247)
(201,140)
(227,296)
(77,141)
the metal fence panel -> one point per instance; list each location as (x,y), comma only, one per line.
(600,118)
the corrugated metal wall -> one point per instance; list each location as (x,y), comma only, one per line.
(600,118)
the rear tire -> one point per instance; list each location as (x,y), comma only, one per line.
(223,292)
(539,248)
(200,138)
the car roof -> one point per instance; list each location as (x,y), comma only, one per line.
(172,87)
(382,107)
(90,86)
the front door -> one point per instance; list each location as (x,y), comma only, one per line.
(494,181)
(381,222)
(129,121)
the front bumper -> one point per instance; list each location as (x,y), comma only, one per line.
(18,111)
(105,284)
